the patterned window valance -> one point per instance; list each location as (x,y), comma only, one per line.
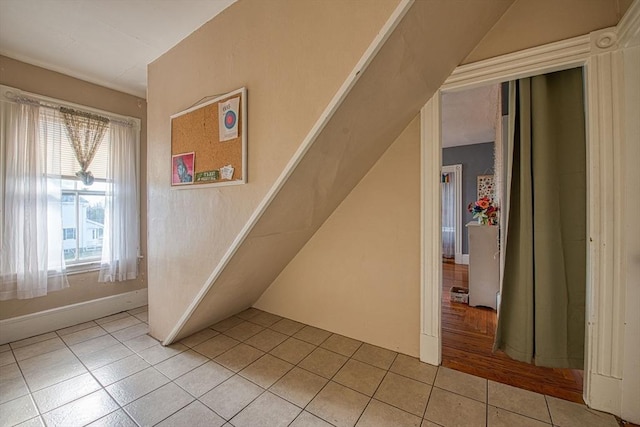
(85,130)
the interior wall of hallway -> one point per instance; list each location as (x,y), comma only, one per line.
(359,275)
(292,56)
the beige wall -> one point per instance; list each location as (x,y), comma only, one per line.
(292,56)
(83,287)
(533,23)
(359,275)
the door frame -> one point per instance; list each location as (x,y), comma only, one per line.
(599,55)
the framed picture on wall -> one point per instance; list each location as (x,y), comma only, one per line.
(486,187)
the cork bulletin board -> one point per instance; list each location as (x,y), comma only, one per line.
(209,143)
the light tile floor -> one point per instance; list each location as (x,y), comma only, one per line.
(253,369)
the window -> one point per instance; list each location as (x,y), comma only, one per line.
(68,233)
(73,217)
(82,207)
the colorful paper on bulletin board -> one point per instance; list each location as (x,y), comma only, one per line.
(182,168)
(208,176)
(228,119)
(216,133)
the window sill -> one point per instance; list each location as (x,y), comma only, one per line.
(85,267)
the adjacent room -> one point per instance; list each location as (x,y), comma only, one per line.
(477,177)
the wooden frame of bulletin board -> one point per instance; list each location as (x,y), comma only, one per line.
(209,143)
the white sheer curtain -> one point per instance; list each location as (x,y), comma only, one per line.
(448,215)
(32,261)
(122,226)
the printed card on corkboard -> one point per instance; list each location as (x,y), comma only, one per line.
(209,143)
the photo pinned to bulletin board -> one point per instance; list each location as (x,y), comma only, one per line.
(182,168)
(209,143)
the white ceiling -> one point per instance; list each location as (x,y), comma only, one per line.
(107,42)
(470,116)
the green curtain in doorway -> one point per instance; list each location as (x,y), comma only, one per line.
(542,313)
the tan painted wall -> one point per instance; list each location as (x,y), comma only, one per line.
(533,23)
(292,56)
(359,275)
(83,287)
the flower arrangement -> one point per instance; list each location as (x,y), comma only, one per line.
(485,211)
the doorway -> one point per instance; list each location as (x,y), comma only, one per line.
(472,135)
(606,352)
(435,326)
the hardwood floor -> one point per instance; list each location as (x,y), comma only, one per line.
(467,341)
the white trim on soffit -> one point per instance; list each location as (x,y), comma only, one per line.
(601,58)
(29,325)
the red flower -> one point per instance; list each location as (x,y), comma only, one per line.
(483,203)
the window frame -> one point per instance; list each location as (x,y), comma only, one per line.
(65,231)
(77,193)
(6,95)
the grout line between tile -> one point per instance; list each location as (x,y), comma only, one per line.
(89,371)
(264,390)
(332,377)
(546,401)
(486,404)
(92,376)
(518,413)
(376,390)
(96,379)
(424,415)
(329,380)
(174,412)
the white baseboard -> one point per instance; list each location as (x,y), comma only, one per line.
(605,394)
(430,350)
(29,325)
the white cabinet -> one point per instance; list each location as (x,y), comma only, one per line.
(484,265)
